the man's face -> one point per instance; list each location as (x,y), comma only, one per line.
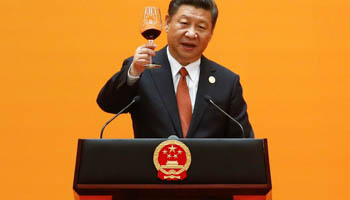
(189,32)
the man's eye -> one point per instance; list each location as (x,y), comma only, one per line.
(202,27)
(184,23)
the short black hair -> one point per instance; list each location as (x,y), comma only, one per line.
(209,5)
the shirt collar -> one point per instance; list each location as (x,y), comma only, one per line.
(175,66)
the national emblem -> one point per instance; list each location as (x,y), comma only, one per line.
(172,159)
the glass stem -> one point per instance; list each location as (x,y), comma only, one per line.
(150,59)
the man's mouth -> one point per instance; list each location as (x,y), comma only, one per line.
(188,46)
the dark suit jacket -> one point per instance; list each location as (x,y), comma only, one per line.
(156,115)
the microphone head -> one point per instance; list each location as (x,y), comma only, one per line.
(136,98)
(207,97)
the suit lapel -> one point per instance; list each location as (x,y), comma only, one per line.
(204,88)
(163,80)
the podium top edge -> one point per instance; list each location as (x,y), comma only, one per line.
(162,139)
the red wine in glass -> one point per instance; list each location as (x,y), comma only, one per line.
(151,34)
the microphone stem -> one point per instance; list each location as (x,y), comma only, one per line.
(233,119)
(126,107)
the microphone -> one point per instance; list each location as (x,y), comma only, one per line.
(134,100)
(225,113)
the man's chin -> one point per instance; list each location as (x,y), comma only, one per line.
(185,60)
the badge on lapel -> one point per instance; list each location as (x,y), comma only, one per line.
(212,79)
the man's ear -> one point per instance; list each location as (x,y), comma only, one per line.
(211,34)
(166,24)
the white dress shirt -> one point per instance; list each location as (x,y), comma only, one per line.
(192,79)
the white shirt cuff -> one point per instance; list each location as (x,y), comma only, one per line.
(131,80)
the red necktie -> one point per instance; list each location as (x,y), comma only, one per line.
(184,102)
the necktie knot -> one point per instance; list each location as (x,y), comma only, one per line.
(183,72)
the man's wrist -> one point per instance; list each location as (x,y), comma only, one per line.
(133,72)
(132,79)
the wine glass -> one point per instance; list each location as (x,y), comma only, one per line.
(151,27)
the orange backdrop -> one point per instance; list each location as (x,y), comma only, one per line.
(292,55)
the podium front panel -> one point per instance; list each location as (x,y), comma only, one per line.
(214,161)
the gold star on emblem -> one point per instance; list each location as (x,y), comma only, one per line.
(172,148)
(165,151)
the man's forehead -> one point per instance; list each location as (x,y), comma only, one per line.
(189,11)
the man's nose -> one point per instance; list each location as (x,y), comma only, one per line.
(191,33)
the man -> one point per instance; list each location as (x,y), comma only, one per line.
(174,98)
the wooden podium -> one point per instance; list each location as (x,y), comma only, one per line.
(118,169)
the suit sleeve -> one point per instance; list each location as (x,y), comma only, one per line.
(116,93)
(238,109)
